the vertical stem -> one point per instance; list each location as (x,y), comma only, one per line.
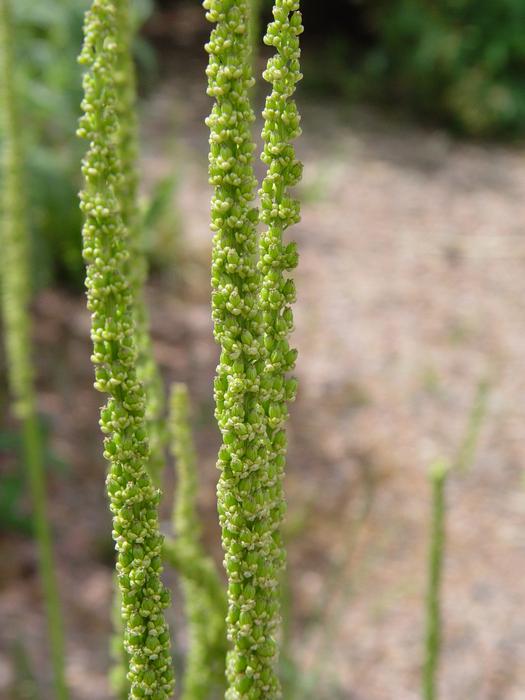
(467,449)
(15,301)
(119,656)
(438,477)
(254,9)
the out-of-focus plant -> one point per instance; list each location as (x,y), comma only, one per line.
(15,278)
(438,475)
(112,302)
(49,36)
(13,515)
(457,60)
(205,604)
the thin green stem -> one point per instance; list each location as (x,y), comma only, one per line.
(119,656)
(255,22)
(438,475)
(198,570)
(467,449)
(15,302)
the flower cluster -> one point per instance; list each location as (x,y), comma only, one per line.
(204,595)
(279,211)
(133,498)
(137,268)
(251,325)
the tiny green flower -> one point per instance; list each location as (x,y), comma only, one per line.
(133,498)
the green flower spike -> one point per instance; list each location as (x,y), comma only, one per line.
(278,212)
(249,494)
(205,604)
(133,498)
(147,370)
(137,268)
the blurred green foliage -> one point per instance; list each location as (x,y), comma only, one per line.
(455,62)
(459,61)
(15,515)
(48,41)
(48,36)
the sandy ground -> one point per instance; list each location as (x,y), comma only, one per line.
(411,291)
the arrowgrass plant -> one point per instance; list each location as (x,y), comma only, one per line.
(111,300)
(244,512)
(16,294)
(251,323)
(147,370)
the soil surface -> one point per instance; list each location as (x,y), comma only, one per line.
(411,292)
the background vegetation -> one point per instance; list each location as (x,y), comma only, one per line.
(453,64)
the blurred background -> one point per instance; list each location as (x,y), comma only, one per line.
(411,295)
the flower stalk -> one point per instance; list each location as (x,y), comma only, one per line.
(15,306)
(278,212)
(137,267)
(252,317)
(245,492)
(147,369)
(132,495)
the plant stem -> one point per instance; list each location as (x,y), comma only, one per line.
(467,449)
(438,475)
(255,22)
(35,470)
(15,299)
(137,271)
